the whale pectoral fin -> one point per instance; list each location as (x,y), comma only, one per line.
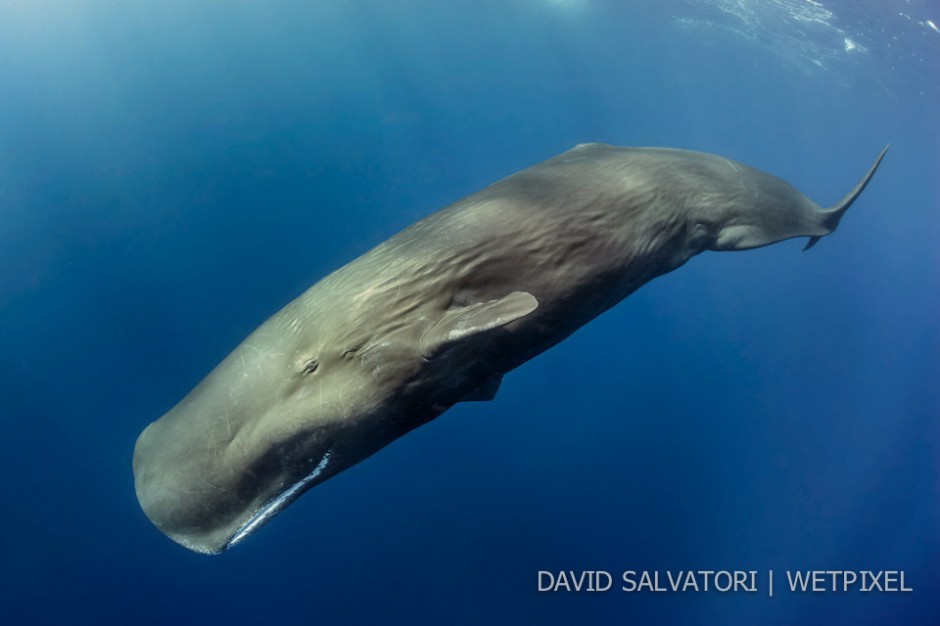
(462,323)
(486,391)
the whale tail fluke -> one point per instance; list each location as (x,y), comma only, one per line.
(830,217)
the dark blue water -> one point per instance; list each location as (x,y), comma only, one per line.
(173,173)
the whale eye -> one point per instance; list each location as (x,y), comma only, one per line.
(310,366)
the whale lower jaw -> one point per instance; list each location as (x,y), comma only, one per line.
(275,506)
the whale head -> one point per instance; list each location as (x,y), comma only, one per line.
(331,379)
(299,400)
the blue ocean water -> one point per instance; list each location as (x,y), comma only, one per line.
(173,173)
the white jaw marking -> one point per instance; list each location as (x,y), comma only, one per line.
(275,506)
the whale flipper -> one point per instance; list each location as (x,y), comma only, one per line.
(485,392)
(463,322)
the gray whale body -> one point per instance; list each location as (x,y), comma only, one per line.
(436,315)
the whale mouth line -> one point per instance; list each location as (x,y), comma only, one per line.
(277,504)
